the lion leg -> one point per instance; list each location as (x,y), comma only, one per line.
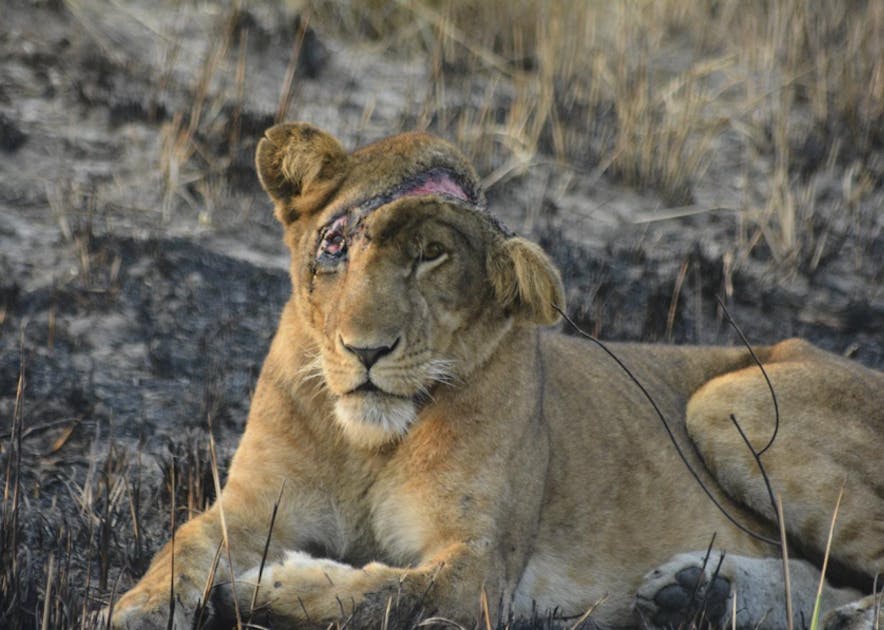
(184,566)
(867,612)
(831,434)
(181,571)
(150,603)
(303,590)
(697,586)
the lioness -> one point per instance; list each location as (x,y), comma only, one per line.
(433,444)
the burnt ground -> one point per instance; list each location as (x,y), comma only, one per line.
(142,273)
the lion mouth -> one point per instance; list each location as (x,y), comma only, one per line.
(374,418)
(369,388)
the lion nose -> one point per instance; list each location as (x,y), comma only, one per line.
(370,356)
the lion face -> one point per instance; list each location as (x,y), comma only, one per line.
(397,298)
(401,278)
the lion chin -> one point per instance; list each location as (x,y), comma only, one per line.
(373,419)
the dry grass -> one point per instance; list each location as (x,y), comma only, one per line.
(186,163)
(647,91)
(58,567)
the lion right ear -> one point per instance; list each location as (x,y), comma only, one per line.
(526,281)
(299,166)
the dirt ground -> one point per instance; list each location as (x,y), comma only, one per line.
(142,271)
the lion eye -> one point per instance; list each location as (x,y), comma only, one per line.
(332,242)
(431,251)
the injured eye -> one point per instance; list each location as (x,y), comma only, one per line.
(332,243)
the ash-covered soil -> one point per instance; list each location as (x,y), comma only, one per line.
(142,272)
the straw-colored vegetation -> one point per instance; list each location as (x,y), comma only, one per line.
(648,92)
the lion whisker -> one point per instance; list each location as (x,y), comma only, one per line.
(442,371)
(311,375)
(312,367)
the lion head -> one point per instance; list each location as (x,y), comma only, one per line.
(401,277)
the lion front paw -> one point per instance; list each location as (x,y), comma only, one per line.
(137,610)
(299,590)
(683,591)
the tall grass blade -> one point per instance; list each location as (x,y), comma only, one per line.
(817,604)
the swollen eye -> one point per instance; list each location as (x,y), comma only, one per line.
(333,242)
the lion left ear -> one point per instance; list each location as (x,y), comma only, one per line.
(299,166)
(526,280)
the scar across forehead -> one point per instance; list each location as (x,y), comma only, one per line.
(437,182)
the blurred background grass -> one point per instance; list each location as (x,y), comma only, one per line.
(645,91)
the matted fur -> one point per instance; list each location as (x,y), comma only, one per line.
(435,444)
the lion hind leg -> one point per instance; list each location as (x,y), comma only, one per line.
(699,587)
(861,614)
(831,433)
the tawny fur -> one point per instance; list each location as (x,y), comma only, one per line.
(494,455)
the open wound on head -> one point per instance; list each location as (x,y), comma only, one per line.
(437,182)
(333,241)
(335,235)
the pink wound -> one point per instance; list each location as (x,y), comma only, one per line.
(441,185)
